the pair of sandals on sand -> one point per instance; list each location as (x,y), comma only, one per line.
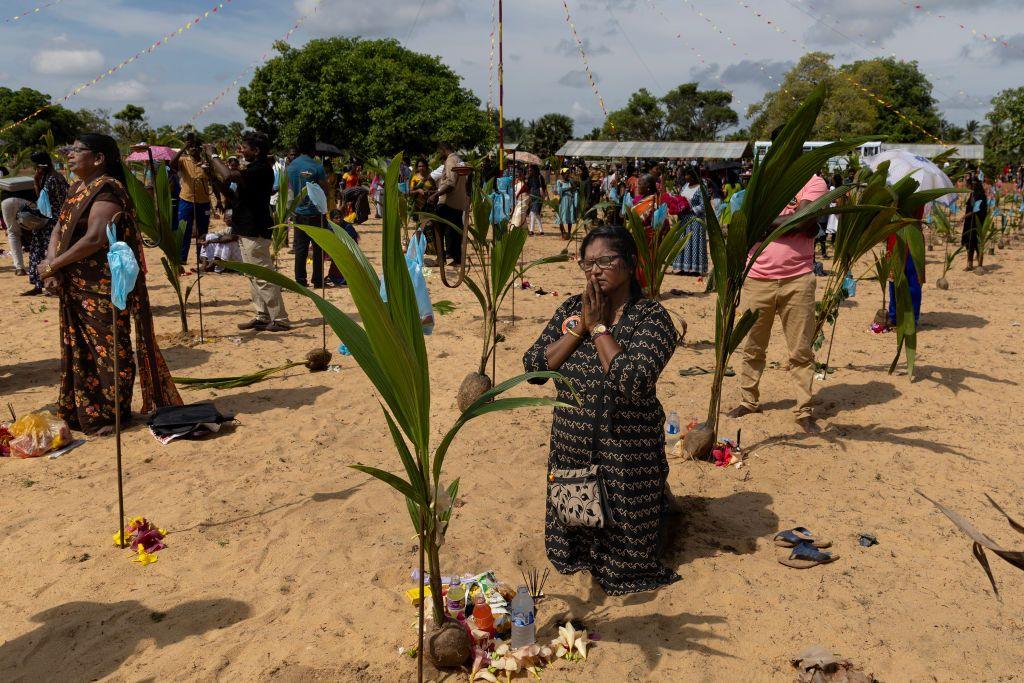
(806,549)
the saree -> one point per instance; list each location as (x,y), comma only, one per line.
(86,400)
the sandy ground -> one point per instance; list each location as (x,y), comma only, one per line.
(284,564)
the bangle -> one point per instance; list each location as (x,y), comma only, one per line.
(569,330)
(597,336)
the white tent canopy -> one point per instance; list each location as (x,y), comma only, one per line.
(969,152)
(654,150)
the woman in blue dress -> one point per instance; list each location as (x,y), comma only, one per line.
(568,200)
(693,259)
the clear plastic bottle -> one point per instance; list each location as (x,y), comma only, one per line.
(456,598)
(523,629)
(672,430)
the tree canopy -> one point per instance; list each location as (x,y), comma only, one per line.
(17,104)
(546,134)
(684,113)
(373,97)
(132,124)
(1004,139)
(848,109)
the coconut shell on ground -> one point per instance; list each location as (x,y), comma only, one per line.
(473,387)
(449,646)
(698,442)
(942,283)
(881,316)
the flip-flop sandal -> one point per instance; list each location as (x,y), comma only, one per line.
(694,371)
(805,556)
(793,537)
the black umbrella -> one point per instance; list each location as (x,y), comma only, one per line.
(328,149)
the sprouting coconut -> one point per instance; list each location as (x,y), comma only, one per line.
(473,387)
(698,442)
(942,283)
(881,316)
(449,645)
(318,360)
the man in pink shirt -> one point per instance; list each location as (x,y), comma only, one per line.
(781,282)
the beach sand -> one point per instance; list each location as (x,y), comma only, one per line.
(285,564)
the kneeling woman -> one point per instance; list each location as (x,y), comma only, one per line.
(76,268)
(611,344)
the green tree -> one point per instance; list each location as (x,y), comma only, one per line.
(693,114)
(132,124)
(515,128)
(372,96)
(641,119)
(1004,141)
(547,134)
(94,121)
(972,132)
(778,106)
(228,133)
(906,90)
(17,104)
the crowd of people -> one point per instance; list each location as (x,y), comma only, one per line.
(609,337)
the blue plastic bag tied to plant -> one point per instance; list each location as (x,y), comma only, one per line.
(317,196)
(504,184)
(403,187)
(43,204)
(124,269)
(499,207)
(849,286)
(660,214)
(627,203)
(414,260)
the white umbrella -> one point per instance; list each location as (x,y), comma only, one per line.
(903,163)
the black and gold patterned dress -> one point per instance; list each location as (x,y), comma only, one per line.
(629,446)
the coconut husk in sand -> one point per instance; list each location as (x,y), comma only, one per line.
(473,387)
(819,665)
(449,646)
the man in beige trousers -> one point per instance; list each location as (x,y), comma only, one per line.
(781,282)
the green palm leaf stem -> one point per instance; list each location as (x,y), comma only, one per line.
(987,231)
(885,211)
(775,180)
(390,349)
(492,263)
(153,211)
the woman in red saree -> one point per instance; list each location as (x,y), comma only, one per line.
(76,269)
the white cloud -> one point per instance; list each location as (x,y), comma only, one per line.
(68,62)
(398,18)
(125,91)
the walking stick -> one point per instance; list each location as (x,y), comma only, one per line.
(323,289)
(117,429)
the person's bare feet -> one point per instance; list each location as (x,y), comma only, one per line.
(741,411)
(809,425)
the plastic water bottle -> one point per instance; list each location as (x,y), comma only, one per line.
(456,598)
(672,430)
(524,631)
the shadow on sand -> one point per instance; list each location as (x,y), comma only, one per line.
(86,641)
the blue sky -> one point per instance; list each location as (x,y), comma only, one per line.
(630,43)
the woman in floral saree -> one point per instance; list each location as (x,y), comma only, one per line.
(76,269)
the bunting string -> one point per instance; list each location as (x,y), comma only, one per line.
(980,35)
(263,58)
(860,86)
(213,11)
(835,28)
(586,62)
(34,10)
(490,58)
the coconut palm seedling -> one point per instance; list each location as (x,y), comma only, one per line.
(658,246)
(986,234)
(942,226)
(283,212)
(775,180)
(881,268)
(492,264)
(153,211)
(389,347)
(885,211)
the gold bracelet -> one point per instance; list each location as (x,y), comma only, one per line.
(570,331)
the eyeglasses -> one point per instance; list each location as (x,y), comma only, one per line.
(78,149)
(602,262)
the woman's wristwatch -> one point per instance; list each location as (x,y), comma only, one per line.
(598,330)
